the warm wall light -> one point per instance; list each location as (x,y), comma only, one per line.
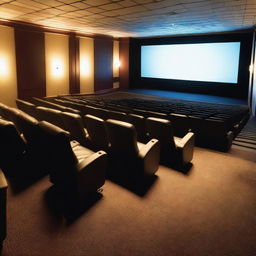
(117,63)
(3,66)
(84,66)
(57,68)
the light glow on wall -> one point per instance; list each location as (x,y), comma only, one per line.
(85,66)
(3,66)
(57,67)
(117,63)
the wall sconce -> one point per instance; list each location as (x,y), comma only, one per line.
(57,68)
(84,66)
(117,63)
(3,67)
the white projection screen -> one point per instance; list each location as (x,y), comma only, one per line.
(209,62)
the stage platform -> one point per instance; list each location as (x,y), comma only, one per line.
(189,96)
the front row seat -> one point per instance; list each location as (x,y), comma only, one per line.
(73,167)
(177,152)
(127,154)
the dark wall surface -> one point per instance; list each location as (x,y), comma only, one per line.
(30,62)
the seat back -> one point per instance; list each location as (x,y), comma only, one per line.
(162,130)
(13,116)
(121,116)
(26,107)
(3,111)
(12,147)
(50,115)
(52,105)
(56,142)
(122,137)
(96,131)
(101,113)
(74,125)
(140,126)
(180,123)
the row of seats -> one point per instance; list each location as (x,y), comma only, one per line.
(213,132)
(97,134)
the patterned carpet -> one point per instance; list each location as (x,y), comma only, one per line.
(247,137)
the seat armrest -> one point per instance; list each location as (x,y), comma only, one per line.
(186,147)
(149,156)
(91,172)
(3,183)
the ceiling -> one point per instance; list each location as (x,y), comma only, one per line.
(134,18)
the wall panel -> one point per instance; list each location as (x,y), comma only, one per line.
(124,70)
(74,64)
(103,63)
(57,64)
(86,64)
(30,63)
(116,64)
(8,79)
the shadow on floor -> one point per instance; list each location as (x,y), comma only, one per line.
(68,205)
(23,179)
(139,185)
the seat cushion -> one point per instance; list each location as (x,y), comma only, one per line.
(80,152)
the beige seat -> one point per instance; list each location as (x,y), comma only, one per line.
(97,133)
(50,115)
(26,107)
(3,111)
(75,126)
(128,155)
(3,202)
(175,151)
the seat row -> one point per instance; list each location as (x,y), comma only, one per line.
(214,132)
(93,130)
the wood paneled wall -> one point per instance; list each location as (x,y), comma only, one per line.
(30,63)
(124,50)
(103,63)
(74,64)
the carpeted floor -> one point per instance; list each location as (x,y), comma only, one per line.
(210,211)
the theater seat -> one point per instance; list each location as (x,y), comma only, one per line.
(50,115)
(75,126)
(12,149)
(129,156)
(74,168)
(26,107)
(175,151)
(97,133)
(3,202)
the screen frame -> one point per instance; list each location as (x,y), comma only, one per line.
(236,90)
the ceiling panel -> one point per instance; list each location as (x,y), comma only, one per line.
(134,17)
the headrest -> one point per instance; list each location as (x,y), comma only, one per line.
(24,102)
(160,120)
(93,117)
(120,123)
(52,129)
(28,118)
(73,115)
(55,111)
